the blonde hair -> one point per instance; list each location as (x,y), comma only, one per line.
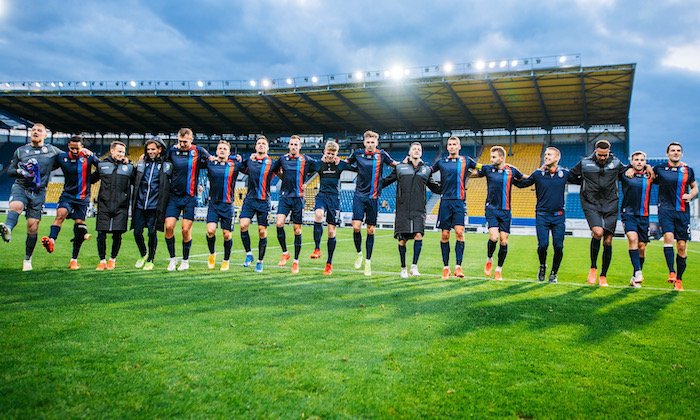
(454,138)
(499,149)
(370,133)
(555,149)
(226,143)
(331,146)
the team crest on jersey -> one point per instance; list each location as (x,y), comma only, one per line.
(681,169)
(80,159)
(561,174)
(65,159)
(191,152)
(124,168)
(611,165)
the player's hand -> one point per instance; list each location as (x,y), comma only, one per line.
(238,158)
(629,173)
(687,197)
(86,152)
(336,160)
(212,158)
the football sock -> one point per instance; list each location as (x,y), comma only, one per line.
(331,250)
(152,244)
(12,218)
(53,233)
(641,262)
(556,261)
(211,243)
(417,247)
(102,245)
(680,265)
(357,238)
(170,242)
(282,238)
(369,245)
(79,232)
(459,251)
(262,246)
(402,255)
(491,248)
(297,246)
(228,243)
(634,258)
(669,254)
(502,253)
(186,249)
(542,254)
(29,246)
(318,232)
(116,244)
(595,249)
(445,248)
(607,257)
(245,240)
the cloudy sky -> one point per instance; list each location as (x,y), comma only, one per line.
(214,39)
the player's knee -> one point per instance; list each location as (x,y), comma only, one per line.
(370,230)
(227,235)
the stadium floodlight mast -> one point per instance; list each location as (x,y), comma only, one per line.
(289,80)
(265,83)
(132,83)
(514,63)
(314,79)
(503,63)
(448,67)
(253,83)
(200,83)
(480,65)
(358,75)
(562,59)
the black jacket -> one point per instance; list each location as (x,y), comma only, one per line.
(165,171)
(598,183)
(116,179)
(411,196)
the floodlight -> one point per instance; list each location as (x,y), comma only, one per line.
(358,75)
(53,84)
(289,81)
(492,64)
(448,67)
(84,84)
(132,83)
(480,65)
(265,83)
(60,84)
(514,63)
(253,83)
(200,83)
(387,73)
(37,84)
(562,59)
(503,63)
(314,79)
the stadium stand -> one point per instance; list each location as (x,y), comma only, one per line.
(571,153)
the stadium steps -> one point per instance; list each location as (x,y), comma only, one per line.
(53,191)
(310,191)
(526,157)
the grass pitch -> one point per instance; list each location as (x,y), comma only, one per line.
(202,343)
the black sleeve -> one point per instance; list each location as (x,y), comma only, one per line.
(390,179)
(14,162)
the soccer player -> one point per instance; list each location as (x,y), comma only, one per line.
(116,175)
(369,163)
(31,164)
(598,175)
(187,160)
(550,186)
(411,177)
(677,186)
(222,174)
(329,169)
(499,181)
(454,172)
(73,203)
(636,192)
(150,199)
(258,167)
(294,168)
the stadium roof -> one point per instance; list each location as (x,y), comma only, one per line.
(538,98)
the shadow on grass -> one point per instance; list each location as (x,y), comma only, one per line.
(464,306)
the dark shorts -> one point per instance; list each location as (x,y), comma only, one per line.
(144,219)
(181,204)
(605,220)
(675,221)
(639,224)
(498,218)
(221,213)
(451,214)
(364,209)
(295,205)
(405,236)
(255,207)
(33,201)
(550,222)
(77,209)
(331,205)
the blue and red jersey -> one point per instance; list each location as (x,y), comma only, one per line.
(295,170)
(499,183)
(453,176)
(77,170)
(674,181)
(636,193)
(260,174)
(186,167)
(370,171)
(222,180)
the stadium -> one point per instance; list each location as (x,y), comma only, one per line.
(130,343)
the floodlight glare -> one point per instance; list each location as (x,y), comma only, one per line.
(358,75)
(503,63)
(492,64)
(387,73)
(265,83)
(448,67)
(314,79)
(84,84)
(562,59)
(200,83)
(60,84)
(132,83)
(406,72)
(480,65)
(37,84)
(514,63)
(289,81)
(53,84)
(253,83)
(397,73)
